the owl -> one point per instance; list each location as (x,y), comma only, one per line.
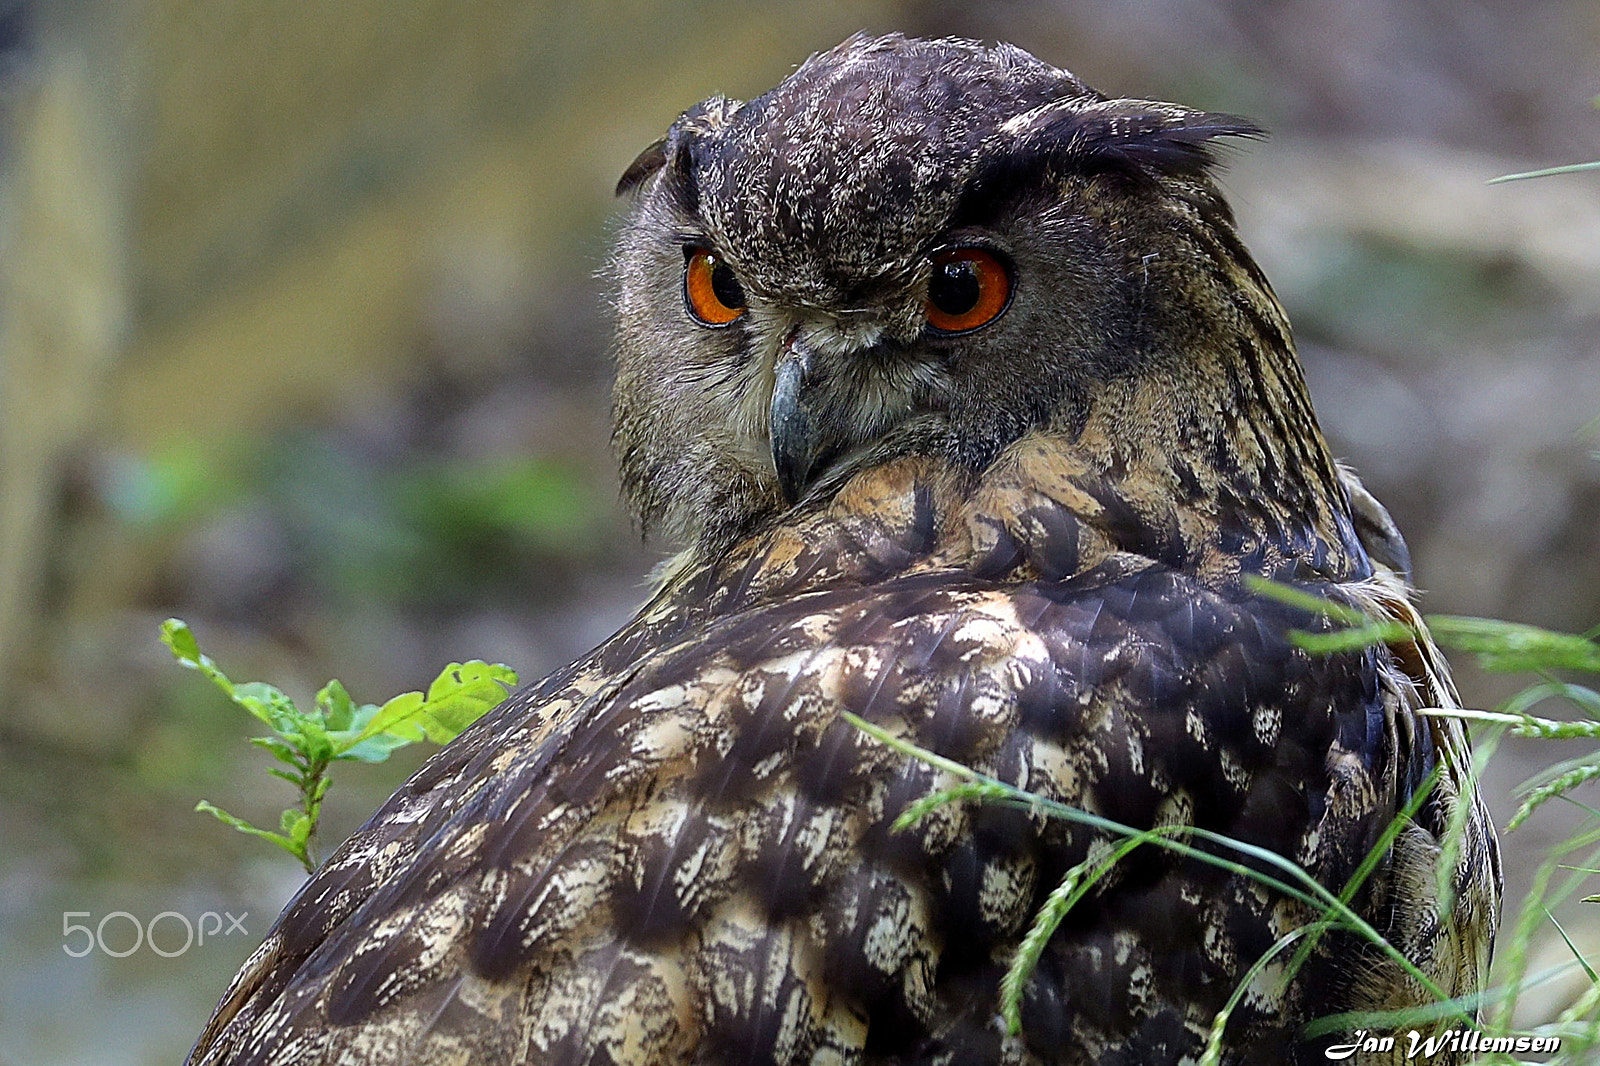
(974,421)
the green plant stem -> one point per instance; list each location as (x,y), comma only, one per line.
(1307,888)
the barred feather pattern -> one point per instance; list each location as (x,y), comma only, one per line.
(1023,547)
(677,852)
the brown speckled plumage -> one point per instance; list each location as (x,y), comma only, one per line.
(1020,547)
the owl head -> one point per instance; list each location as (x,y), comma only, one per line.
(928,247)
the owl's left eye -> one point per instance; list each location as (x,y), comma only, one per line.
(711,290)
(969,288)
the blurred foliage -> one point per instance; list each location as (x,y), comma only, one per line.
(1389,294)
(175,485)
(476,522)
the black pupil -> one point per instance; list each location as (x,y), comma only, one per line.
(724,286)
(955,287)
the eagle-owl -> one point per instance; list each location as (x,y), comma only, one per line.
(973,417)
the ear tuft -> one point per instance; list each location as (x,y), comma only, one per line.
(1140,140)
(1150,137)
(706,118)
(649,161)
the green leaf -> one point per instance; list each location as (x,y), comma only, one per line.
(281,749)
(314,741)
(395,718)
(348,740)
(465,692)
(265,702)
(297,826)
(338,728)
(268,703)
(229,819)
(374,749)
(180,640)
(459,696)
(245,827)
(338,709)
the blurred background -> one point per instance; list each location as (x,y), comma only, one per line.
(302,340)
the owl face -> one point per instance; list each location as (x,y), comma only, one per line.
(905,246)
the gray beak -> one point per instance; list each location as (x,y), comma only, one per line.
(793,423)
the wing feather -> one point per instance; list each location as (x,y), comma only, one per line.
(705,835)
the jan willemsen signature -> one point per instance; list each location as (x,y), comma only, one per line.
(1424,1046)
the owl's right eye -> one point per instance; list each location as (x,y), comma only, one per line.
(711,291)
(969,289)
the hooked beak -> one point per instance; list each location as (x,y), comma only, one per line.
(793,423)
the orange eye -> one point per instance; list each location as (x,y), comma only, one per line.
(969,288)
(711,291)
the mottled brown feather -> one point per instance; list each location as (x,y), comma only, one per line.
(1025,556)
(717,772)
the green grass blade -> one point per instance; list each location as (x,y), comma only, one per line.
(1309,889)
(1547,172)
